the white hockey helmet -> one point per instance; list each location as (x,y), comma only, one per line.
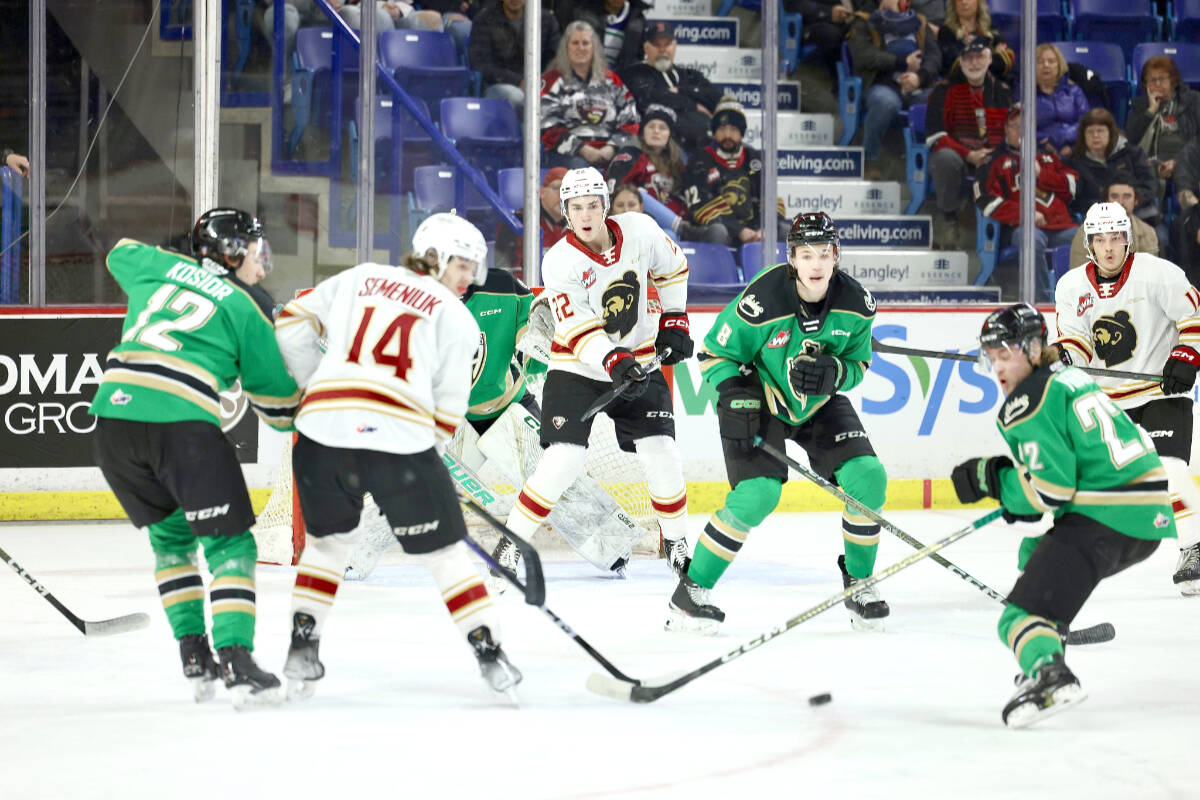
(582,183)
(450,235)
(1106,218)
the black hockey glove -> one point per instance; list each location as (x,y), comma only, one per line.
(674,332)
(977,478)
(816,374)
(621,366)
(1179,373)
(1010,517)
(739,411)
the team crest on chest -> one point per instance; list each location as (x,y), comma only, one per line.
(1115,338)
(480,358)
(621,304)
(1086,301)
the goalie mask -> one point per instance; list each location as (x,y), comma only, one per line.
(583,182)
(815,230)
(1012,328)
(1106,218)
(449,235)
(223,233)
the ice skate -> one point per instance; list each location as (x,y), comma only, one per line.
(1052,689)
(1187,571)
(508,557)
(199,666)
(867,609)
(676,553)
(691,609)
(303,668)
(499,674)
(249,684)
(619,566)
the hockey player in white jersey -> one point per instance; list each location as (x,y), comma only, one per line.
(389,389)
(1137,312)
(596,280)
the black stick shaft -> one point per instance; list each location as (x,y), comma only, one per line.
(880,347)
(43,591)
(606,399)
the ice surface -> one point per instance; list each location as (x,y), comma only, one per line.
(402,711)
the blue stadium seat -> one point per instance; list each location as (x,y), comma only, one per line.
(1060,261)
(425,64)
(511,185)
(1185,21)
(1186,56)
(916,158)
(791,30)
(1107,60)
(416,146)
(433,190)
(712,273)
(485,131)
(312,64)
(1125,22)
(1051,24)
(850,89)
(753,261)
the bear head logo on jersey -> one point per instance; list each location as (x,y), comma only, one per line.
(1115,338)
(480,359)
(621,304)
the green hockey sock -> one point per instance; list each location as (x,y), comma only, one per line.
(1028,545)
(864,479)
(1033,640)
(719,544)
(180,587)
(231,562)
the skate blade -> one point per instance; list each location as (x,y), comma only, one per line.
(1027,714)
(246,699)
(678,622)
(353,575)
(299,689)
(866,625)
(1189,588)
(203,689)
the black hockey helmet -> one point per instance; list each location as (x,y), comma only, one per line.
(816,229)
(228,232)
(1014,326)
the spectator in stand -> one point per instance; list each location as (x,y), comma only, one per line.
(587,113)
(826,24)
(997,195)
(1164,118)
(294,12)
(721,184)
(897,57)
(624,26)
(1102,155)
(934,12)
(963,123)
(15,161)
(626,199)
(966,19)
(1060,103)
(682,89)
(1145,240)
(497,49)
(510,247)
(392,14)
(654,163)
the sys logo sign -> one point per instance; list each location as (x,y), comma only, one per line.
(957,387)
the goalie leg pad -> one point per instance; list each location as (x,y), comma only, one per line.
(462,589)
(1185,499)
(864,479)
(318,577)
(373,537)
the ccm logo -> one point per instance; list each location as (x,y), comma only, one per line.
(206,513)
(841,437)
(412,530)
(675,322)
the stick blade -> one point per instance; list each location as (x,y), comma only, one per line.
(608,686)
(1097,634)
(111,627)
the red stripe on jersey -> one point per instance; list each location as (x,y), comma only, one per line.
(1178,507)
(1190,329)
(648,350)
(304,581)
(466,597)
(574,340)
(535,508)
(1132,392)
(555,347)
(668,508)
(283,313)
(355,394)
(447,427)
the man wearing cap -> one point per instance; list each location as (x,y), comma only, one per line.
(721,184)
(964,123)
(684,90)
(510,247)
(997,195)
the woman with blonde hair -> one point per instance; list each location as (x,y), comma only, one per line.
(587,113)
(966,19)
(1061,104)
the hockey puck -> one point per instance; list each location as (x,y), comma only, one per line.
(819,699)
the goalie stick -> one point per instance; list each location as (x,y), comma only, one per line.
(535,595)
(880,347)
(1096,634)
(103,627)
(612,394)
(649,691)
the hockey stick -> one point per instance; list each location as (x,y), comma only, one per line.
(536,596)
(612,394)
(1092,635)
(880,347)
(104,627)
(649,691)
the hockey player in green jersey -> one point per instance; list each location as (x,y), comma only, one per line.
(779,357)
(1080,457)
(192,330)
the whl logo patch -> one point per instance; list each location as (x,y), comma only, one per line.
(780,339)
(119,398)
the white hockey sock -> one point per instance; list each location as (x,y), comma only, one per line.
(561,464)
(668,492)
(318,576)
(1185,499)
(462,589)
